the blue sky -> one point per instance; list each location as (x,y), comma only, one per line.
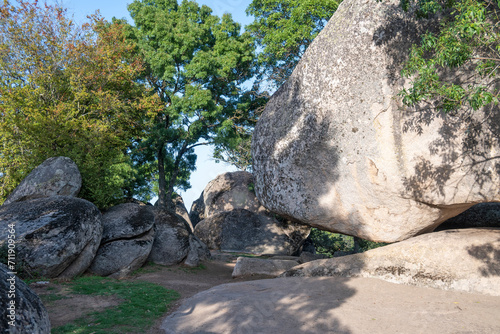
(207,169)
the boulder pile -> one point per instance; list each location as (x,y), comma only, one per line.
(235,221)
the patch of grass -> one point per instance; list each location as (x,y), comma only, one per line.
(201,266)
(149,267)
(144,302)
(48,298)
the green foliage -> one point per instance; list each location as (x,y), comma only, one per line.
(284,29)
(235,148)
(196,64)
(142,304)
(468,43)
(328,243)
(68,91)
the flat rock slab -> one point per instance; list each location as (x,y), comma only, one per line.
(333,305)
(267,268)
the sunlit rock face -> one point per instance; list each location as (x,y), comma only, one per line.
(335,149)
(461,260)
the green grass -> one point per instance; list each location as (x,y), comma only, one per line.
(143,303)
(149,267)
(46,299)
(193,269)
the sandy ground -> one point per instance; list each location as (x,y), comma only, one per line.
(212,302)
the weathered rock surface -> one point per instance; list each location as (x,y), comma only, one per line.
(248,267)
(55,176)
(480,215)
(119,258)
(181,210)
(241,230)
(230,191)
(197,212)
(197,251)
(174,242)
(52,233)
(318,305)
(461,260)
(125,221)
(28,313)
(308,257)
(127,240)
(334,149)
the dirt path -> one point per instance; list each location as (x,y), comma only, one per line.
(212,302)
(186,281)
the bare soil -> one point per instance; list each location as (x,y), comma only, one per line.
(186,281)
(291,305)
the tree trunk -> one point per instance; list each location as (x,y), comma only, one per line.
(162,184)
(173,177)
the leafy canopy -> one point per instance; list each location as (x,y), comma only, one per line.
(68,91)
(468,42)
(196,63)
(283,30)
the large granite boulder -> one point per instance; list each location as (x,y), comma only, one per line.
(180,209)
(197,211)
(127,240)
(55,236)
(335,149)
(241,230)
(174,242)
(230,191)
(461,260)
(55,176)
(22,310)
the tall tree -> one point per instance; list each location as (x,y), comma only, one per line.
(283,29)
(196,64)
(71,91)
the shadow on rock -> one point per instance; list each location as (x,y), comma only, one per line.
(267,306)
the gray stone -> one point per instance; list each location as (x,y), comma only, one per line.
(480,215)
(119,258)
(198,251)
(83,261)
(127,240)
(335,149)
(55,176)
(174,242)
(241,230)
(181,210)
(230,191)
(29,314)
(197,212)
(248,267)
(126,221)
(52,233)
(461,260)
(308,257)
